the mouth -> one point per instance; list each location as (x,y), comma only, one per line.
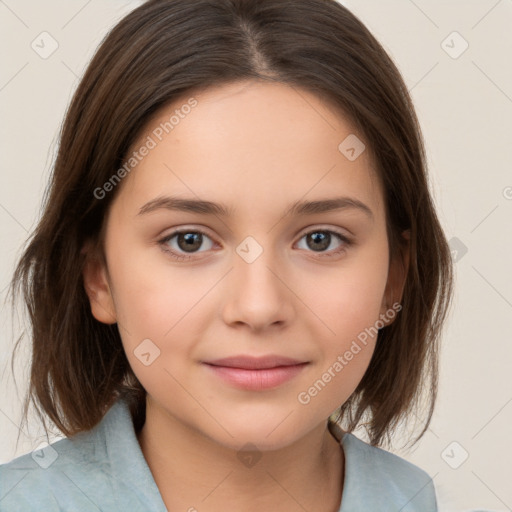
(256,373)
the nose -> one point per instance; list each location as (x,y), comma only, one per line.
(258,294)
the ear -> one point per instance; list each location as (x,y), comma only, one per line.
(97,286)
(398,268)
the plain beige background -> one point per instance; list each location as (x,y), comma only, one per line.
(455,57)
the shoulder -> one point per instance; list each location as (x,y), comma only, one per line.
(380,480)
(52,478)
(100,469)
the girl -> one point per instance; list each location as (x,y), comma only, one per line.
(189,340)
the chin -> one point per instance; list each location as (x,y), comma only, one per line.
(252,440)
(265,434)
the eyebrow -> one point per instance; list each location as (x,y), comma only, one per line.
(298,208)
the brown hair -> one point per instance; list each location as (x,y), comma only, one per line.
(159,52)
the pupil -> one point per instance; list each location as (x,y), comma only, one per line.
(191,241)
(322,237)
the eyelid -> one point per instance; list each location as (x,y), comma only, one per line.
(319,227)
(304,231)
(186,229)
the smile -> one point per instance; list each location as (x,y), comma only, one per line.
(256,379)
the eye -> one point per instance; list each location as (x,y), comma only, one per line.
(186,240)
(183,244)
(321,239)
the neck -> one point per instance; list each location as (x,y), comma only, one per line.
(192,471)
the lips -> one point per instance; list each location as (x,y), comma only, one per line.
(255,363)
(256,373)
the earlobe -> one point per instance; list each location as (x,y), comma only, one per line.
(397,276)
(97,287)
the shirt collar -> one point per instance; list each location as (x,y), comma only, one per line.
(132,478)
(366,476)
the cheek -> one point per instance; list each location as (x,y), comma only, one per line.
(347,299)
(150,293)
(348,304)
(163,304)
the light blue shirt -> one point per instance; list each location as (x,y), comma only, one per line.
(104,469)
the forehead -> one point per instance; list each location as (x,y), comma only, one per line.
(245,141)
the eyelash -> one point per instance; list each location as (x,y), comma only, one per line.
(347,242)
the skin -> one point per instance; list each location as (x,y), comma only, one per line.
(257,148)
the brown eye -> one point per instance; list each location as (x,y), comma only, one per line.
(181,243)
(320,240)
(189,242)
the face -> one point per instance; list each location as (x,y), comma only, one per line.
(250,272)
